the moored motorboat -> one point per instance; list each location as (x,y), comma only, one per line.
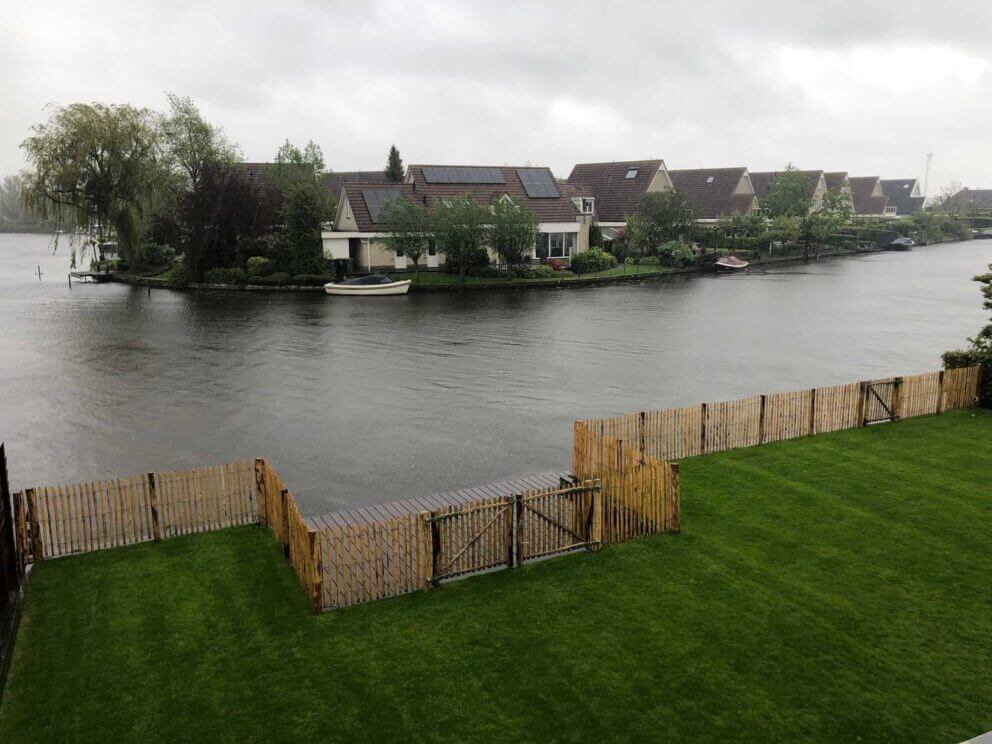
(901,244)
(369,285)
(730,263)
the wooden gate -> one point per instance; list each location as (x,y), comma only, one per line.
(507,531)
(881,401)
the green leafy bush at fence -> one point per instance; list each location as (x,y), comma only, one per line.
(311,280)
(541,271)
(968,358)
(260,266)
(279,279)
(592,260)
(225,276)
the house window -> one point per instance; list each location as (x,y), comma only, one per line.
(709,179)
(891,210)
(588,206)
(632,173)
(556,245)
(432,248)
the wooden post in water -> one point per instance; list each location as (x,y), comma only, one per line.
(37,548)
(261,498)
(153,502)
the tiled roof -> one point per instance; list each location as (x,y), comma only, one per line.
(763,180)
(900,193)
(334,180)
(616,195)
(558,208)
(865,200)
(974,198)
(835,180)
(711,191)
(547,209)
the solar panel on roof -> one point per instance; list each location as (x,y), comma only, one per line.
(538,183)
(467,174)
(377,199)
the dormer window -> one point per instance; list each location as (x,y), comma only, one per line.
(709,179)
(631,173)
(588,205)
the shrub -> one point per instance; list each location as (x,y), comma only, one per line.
(225,276)
(967,358)
(675,253)
(311,280)
(279,279)
(260,266)
(179,277)
(592,260)
(154,255)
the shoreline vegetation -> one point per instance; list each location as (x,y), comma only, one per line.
(441,281)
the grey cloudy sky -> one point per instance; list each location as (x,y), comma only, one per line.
(867,87)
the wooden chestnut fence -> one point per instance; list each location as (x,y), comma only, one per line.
(760,419)
(619,497)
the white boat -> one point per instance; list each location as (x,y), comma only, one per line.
(370,285)
(731,263)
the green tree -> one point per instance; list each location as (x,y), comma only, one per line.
(394,166)
(462,228)
(979,350)
(95,166)
(513,232)
(191,143)
(408,229)
(790,195)
(660,218)
(299,232)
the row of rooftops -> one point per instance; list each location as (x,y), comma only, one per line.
(607,192)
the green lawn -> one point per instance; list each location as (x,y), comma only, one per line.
(828,589)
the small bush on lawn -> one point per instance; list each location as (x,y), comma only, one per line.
(279,279)
(592,260)
(675,253)
(311,280)
(225,276)
(260,266)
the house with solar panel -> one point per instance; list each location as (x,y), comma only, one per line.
(358,231)
(609,192)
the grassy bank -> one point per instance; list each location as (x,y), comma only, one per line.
(825,589)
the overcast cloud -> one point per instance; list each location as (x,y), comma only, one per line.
(866,87)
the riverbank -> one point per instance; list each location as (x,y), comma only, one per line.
(429,282)
(804,575)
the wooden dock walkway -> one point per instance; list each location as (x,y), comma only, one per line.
(393,509)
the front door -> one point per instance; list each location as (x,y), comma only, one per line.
(399,262)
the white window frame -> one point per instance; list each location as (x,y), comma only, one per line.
(632,173)
(588,204)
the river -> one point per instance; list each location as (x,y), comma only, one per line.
(367,400)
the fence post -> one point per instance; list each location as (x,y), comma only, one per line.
(862,393)
(511,542)
(896,398)
(435,547)
(640,435)
(318,564)
(261,497)
(761,420)
(702,429)
(812,411)
(20,533)
(284,498)
(673,496)
(37,548)
(426,552)
(940,392)
(153,502)
(597,512)
(518,528)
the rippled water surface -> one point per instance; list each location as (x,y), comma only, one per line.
(361,400)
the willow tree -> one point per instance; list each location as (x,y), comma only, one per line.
(95,167)
(408,229)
